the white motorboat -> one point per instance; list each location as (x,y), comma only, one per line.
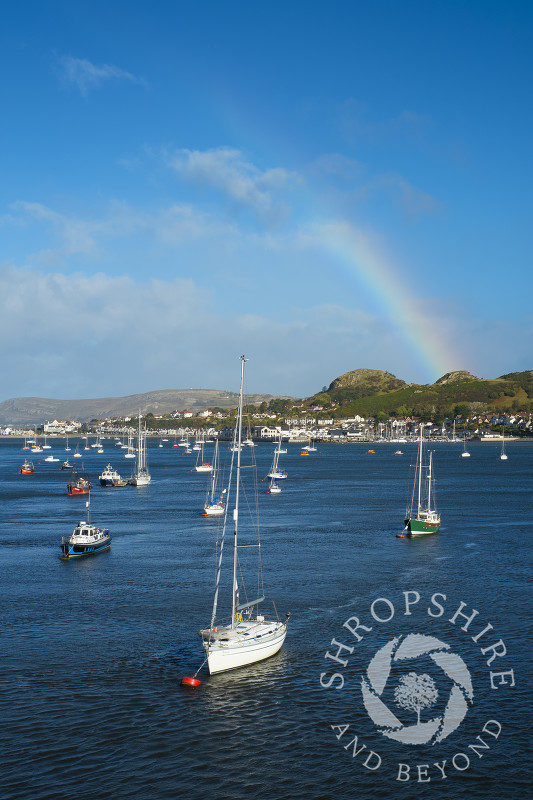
(85,540)
(110,477)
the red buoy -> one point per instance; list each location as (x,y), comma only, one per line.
(190,681)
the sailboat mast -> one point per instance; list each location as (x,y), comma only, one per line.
(420,466)
(429,479)
(237,491)
(139,447)
(214,472)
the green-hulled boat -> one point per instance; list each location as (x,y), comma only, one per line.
(424,519)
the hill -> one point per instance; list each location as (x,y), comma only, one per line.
(367,392)
(36,410)
(370,392)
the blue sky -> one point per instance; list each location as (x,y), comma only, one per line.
(321,186)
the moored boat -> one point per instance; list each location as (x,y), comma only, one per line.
(85,540)
(201,465)
(79,485)
(214,503)
(503,454)
(424,518)
(110,477)
(27,468)
(141,476)
(276,473)
(248,636)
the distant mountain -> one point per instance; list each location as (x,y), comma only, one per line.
(36,410)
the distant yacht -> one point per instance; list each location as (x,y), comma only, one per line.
(141,476)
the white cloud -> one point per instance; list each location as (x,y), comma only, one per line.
(65,235)
(96,336)
(227,170)
(85,75)
(76,235)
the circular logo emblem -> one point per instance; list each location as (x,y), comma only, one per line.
(416,692)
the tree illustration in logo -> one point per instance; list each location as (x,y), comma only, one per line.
(416,692)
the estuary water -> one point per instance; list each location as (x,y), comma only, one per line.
(93,650)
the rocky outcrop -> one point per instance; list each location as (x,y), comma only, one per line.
(373,380)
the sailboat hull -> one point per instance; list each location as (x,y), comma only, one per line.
(213,510)
(140,480)
(222,657)
(417,527)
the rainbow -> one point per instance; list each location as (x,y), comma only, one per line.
(359,256)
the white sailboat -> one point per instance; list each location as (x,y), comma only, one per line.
(141,476)
(503,454)
(201,465)
(248,636)
(249,442)
(277,474)
(129,447)
(465,453)
(214,504)
(273,486)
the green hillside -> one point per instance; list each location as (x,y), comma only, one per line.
(369,392)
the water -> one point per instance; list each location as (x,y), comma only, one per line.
(93,650)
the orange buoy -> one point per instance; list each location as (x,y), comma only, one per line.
(400,536)
(190,681)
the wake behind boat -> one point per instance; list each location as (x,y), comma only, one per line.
(248,636)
